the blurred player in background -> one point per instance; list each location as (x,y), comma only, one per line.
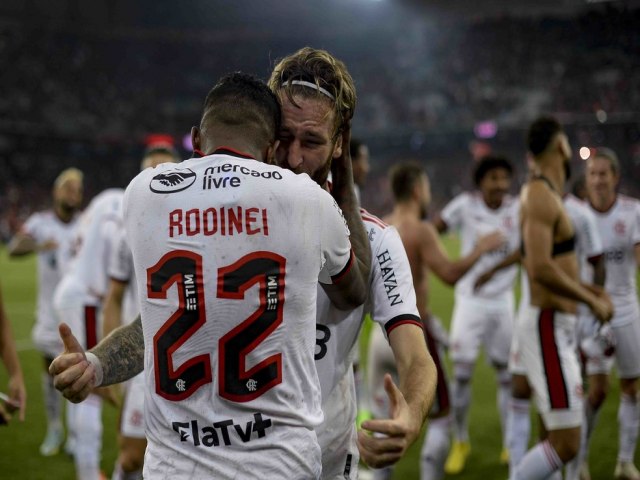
(78,301)
(545,331)
(412,196)
(482,316)
(121,307)
(618,220)
(16,392)
(48,233)
(318,98)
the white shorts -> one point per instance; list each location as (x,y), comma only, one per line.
(132,415)
(626,355)
(476,323)
(79,310)
(337,433)
(46,338)
(546,343)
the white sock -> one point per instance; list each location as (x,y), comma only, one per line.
(119,474)
(435,449)
(572,470)
(539,463)
(88,434)
(628,423)
(518,430)
(502,398)
(52,402)
(461,398)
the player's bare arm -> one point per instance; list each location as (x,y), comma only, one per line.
(115,359)
(440,225)
(511,259)
(409,403)
(24,244)
(344,193)
(450,271)
(542,213)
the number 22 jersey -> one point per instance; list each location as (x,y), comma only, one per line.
(228,252)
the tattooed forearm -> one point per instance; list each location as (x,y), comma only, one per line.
(121,353)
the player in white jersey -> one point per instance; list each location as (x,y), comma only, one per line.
(412,195)
(318,98)
(77,301)
(46,233)
(121,307)
(483,316)
(618,220)
(227,269)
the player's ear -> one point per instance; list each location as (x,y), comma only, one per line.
(337,149)
(195,138)
(269,154)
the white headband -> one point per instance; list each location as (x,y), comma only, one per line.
(310,85)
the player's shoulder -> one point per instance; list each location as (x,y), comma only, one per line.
(627,203)
(372,221)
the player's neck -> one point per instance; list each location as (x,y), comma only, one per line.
(230,143)
(406,210)
(63,214)
(602,203)
(555,175)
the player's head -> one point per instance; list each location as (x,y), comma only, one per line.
(359,161)
(239,111)
(158,153)
(318,99)
(67,191)
(410,184)
(492,175)
(546,139)
(603,173)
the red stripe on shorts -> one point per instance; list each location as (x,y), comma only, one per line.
(558,397)
(90,326)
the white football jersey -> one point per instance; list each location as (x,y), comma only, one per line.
(619,228)
(228,252)
(469,215)
(120,268)
(42,227)
(391,300)
(92,242)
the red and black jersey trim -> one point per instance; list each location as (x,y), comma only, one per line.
(403,319)
(556,385)
(367,217)
(90,326)
(340,275)
(223,151)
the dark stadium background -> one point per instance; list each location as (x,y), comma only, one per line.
(83,83)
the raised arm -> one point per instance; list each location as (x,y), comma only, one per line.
(343,190)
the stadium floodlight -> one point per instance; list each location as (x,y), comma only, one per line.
(585,153)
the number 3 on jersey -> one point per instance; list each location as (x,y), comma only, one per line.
(184,268)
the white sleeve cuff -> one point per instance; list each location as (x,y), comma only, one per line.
(95,361)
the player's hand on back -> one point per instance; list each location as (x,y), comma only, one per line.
(491,241)
(73,374)
(391,437)
(482,279)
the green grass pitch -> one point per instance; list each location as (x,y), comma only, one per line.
(19,457)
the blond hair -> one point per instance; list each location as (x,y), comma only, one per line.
(323,70)
(68,175)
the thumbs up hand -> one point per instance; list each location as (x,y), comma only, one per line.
(72,373)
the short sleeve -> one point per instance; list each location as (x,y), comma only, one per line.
(337,256)
(33,227)
(120,264)
(453,213)
(393,298)
(636,226)
(589,235)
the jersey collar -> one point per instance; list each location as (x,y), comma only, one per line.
(222,151)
